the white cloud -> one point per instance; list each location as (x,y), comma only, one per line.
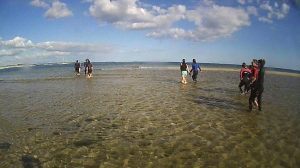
(75,47)
(138,51)
(144,5)
(50,54)
(17,42)
(263,19)
(58,10)
(39,3)
(88,0)
(208,2)
(279,14)
(252,10)
(12,52)
(127,15)
(266,6)
(241,1)
(285,8)
(213,22)
(159,10)
(244,1)
(22,51)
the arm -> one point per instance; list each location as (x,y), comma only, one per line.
(241,76)
(187,68)
(199,68)
(255,76)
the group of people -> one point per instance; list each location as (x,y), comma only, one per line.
(253,81)
(88,68)
(184,68)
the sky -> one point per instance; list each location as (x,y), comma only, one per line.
(211,31)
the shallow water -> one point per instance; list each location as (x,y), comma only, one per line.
(146,118)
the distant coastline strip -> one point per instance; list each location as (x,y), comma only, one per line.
(267,72)
(171,68)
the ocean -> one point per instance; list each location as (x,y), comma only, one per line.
(139,114)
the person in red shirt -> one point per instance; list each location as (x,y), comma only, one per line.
(244,77)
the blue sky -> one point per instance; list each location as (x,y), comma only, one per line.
(223,31)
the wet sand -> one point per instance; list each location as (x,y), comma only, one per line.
(147,118)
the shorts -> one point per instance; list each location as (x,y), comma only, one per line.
(184,72)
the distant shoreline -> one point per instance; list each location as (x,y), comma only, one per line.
(203,68)
(267,72)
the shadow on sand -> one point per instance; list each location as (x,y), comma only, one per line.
(221,90)
(217,103)
(31,162)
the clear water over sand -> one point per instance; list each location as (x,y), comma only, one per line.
(133,116)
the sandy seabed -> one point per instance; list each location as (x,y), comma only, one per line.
(147,118)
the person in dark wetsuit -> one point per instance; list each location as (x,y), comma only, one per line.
(253,83)
(89,69)
(260,81)
(77,67)
(250,86)
(194,69)
(85,66)
(244,77)
(184,68)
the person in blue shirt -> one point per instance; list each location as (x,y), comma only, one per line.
(195,68)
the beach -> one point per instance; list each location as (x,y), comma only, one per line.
(145,117)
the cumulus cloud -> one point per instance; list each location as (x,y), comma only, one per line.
(127,14)
(266,6)
(212,22)
(279,14)
(17,42)
(264,19)
(208,2)
(12,52)
(252,10)
(75,47)
(285,8)
(39,3)
(24,50)
(88,0)
(159,10)
(242,1)
(58,10)
(50,54)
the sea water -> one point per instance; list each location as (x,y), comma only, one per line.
(141,115)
